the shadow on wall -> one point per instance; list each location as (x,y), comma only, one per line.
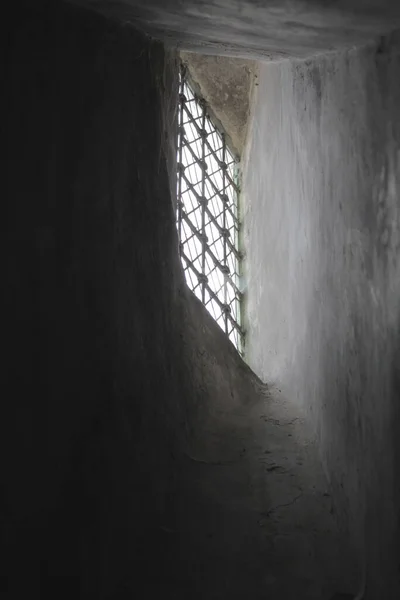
(110,367)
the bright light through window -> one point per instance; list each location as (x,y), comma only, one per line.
(207,213)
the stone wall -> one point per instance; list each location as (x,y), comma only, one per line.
(264,29)
(322,237)
(111,367)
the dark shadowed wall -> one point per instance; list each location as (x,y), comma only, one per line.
(104,384)
(322,238)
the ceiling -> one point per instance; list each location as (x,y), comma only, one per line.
(266,29)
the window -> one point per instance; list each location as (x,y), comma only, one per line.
(207,212)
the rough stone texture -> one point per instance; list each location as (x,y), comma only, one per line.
(269,29)
(227,85)
(322,235)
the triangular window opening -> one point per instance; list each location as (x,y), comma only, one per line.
(207,212)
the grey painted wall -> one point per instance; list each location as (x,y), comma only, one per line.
(110,367)
(270,29)
(322,236)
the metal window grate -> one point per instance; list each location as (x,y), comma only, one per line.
(207,212)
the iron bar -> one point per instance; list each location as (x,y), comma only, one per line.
(180,146)
(203,208)
(224,226)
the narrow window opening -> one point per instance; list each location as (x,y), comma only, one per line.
(207,212)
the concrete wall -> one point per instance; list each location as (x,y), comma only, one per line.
(252,28)
(322,235)
(110,366)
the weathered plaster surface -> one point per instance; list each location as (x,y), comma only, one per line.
(253,28)
(322,237)
(138,452)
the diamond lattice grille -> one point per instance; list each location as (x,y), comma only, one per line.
(207,212)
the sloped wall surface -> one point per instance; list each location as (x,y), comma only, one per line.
(322,227)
